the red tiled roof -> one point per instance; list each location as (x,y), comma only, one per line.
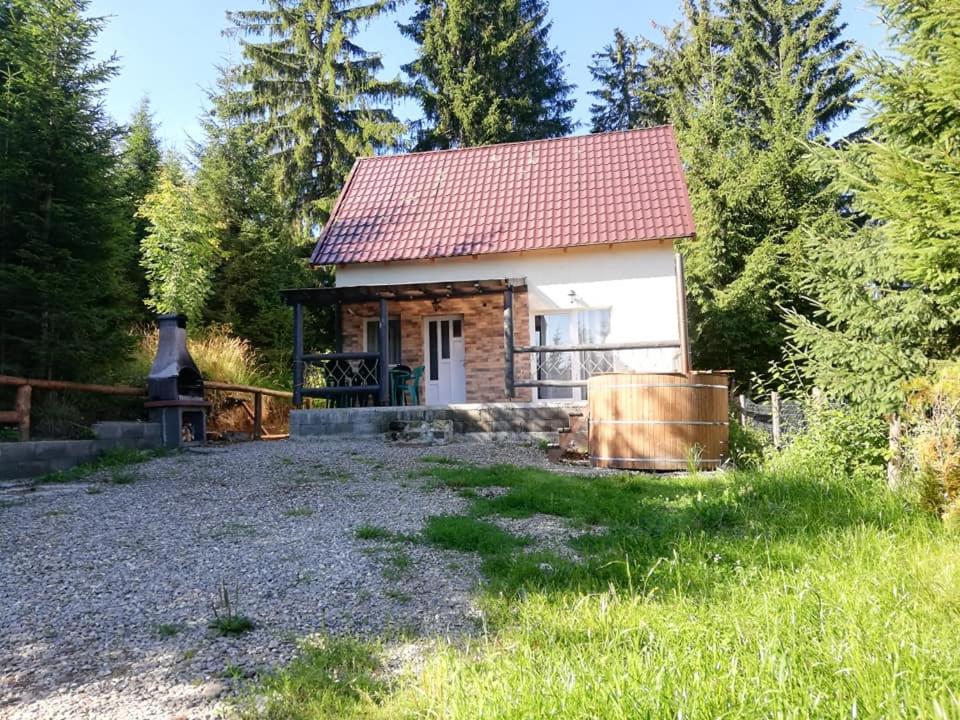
(563,192)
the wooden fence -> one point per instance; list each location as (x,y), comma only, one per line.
(20,415)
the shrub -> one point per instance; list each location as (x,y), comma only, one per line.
(837,442)
(932,440)
(746,446)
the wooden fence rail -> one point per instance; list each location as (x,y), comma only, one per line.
(20,415)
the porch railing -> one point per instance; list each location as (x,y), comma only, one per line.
(340,374)
(591,358)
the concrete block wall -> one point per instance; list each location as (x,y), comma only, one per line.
(21,460)
(478,421)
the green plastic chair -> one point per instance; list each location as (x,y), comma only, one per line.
(406,383)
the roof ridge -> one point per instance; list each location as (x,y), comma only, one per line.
(512,143)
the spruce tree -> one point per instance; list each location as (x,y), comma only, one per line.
(623,100)
(485,73)
(61,213)
(140,157)
(746,83)
(313,94)
(886,274)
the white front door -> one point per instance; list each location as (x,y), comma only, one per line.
(445,376)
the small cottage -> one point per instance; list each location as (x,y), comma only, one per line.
(501,273)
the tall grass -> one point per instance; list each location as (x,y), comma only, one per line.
(793,594)
(220,355)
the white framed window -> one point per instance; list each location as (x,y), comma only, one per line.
(570,327)
(371,338)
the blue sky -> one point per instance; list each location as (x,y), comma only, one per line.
(170,50)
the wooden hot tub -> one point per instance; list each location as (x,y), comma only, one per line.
(658,421)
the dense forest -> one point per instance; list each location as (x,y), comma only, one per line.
(820,261)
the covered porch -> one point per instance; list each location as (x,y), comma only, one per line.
(450,336)
(460,342)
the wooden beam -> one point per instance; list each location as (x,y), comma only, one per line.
(323,392)
(79,387)
(323,357)
(230,387)
(598,347)
(508,379)
(685,364)
(257,416)
(297,354)
(550,383)
(383,339)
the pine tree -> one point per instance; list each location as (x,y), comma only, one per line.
(140,157)
(61,214)
(886,276)
(486,73)
(313,94)
(623,101)
(745,83)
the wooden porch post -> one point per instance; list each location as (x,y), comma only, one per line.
(685,365)
(383,338)
(508,342)
(297,355)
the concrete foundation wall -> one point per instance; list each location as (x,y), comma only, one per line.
(20,460)
(481,421)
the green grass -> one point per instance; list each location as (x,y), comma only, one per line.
(167,630)
(745,595)
(455,532)
(331,679)
(122,478)
(297,512)
(232,531)
(375,532)
(232,624)
(114,460)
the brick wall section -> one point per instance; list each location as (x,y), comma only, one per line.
(482,335)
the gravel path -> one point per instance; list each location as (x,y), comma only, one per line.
(106,589)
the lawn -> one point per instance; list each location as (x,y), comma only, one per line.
(743,595)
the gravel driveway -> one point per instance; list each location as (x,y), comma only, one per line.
(106,589)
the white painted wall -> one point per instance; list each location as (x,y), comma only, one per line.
(635,281)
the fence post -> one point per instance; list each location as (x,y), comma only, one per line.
(297,355)
(775,417)
(895,444)
(257,416)
(22,408)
